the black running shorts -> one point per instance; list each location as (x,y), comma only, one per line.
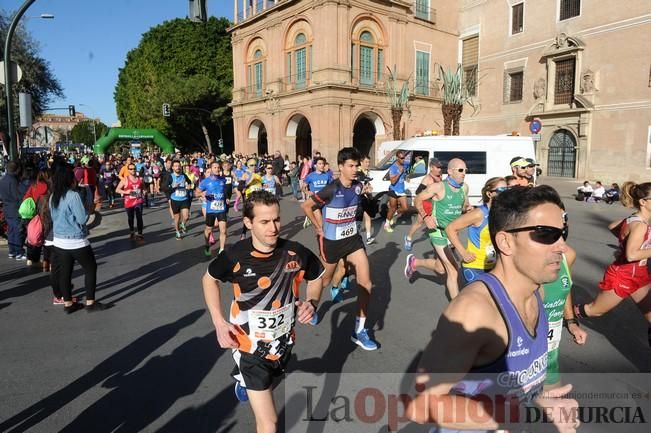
(178,205)
(212,217)
(257,373)
(332,251)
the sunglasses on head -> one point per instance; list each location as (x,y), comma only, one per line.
(546,235)
(500,189)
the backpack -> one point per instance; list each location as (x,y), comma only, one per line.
(27,208)
(35,232)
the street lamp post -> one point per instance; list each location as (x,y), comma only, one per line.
(13,144)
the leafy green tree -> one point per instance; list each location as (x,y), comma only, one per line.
(189,66)
(82,132)
(38,78)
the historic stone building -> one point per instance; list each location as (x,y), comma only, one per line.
(310,75)
(582,67)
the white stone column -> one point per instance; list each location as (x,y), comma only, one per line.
(255,8)
(245,8)
(236,11)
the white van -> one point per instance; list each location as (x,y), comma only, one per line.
(485,157)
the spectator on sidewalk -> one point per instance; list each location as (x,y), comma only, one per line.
(11,194)
(612,194)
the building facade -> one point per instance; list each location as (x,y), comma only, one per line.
(311,75)
(51,129)
(582,67)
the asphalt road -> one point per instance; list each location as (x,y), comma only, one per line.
(152,364)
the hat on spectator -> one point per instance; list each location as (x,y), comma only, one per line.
(519,161)
(532,161)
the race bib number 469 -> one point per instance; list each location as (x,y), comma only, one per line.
(271,324)
(346,230)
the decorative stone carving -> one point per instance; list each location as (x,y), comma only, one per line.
(560,41)
(539,88)
(588,82)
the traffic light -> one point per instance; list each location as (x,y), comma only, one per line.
(71,110)
(166,110)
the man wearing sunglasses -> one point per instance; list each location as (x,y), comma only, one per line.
(449,199)
(523,171)
(495,332)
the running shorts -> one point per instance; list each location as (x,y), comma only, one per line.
(625,279)
(471,274)
(394,194)
(332,251)
(438,238)
(257,373)
(178,205)
(212,217)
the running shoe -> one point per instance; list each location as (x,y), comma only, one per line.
(206,252)
(220,251)
(362,339)
(337,294)
(408,244)
(21,257)
(410,266)
(307,223)
(60,301)
(72,308)
(240,393)
(12,256)
(388,228)
(178,236)
(315,319)
(183,228)
(97,306)
(370,240)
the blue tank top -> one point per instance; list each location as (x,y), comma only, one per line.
(340,206)
(519,373)
(181,193)
(269,185)
(317,181)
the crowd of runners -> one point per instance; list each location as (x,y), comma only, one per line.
(511,277)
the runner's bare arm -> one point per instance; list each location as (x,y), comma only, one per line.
(432,192)
(462,331)
(225,330)
(120,188)
(308,208)
(467,207)
(472,218)
(579,335)
(307,308)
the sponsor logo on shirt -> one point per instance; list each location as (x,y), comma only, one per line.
(249,273)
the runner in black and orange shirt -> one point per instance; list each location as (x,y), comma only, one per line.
(266,273)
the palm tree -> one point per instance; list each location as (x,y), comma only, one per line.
(455,95)
(398,100)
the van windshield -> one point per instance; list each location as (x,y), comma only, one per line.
(386,162)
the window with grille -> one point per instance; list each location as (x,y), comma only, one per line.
(469,63)
(422,73)
(564,81)
(570,9)
(517,18)
(513,85)
(367,59)
(422,9)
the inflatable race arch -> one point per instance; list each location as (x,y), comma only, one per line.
(129,134)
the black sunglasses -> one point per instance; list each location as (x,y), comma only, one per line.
(460,170)
(546,235)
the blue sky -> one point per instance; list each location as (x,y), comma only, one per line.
(88,40)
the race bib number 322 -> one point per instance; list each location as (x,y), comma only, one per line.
(271,324)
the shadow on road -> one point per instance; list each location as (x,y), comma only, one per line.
(140,397)
(117,367)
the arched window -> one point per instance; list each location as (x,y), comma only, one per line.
(367,59)
(256,73)
(299,62)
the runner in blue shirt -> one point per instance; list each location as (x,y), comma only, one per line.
(397,196)
(179,184)
(315,182)
(213,189)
